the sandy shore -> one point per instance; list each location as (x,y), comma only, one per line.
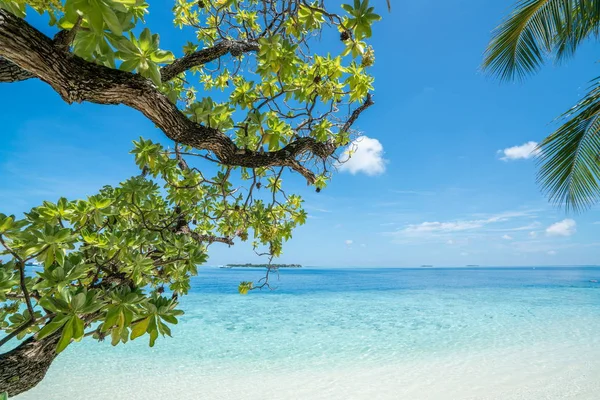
(532,374)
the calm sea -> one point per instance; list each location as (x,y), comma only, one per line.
(425,333)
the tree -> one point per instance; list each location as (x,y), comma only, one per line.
(115,264)
(535,31)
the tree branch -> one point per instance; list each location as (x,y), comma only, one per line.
(77,80)
(22,283)
(356,113)
(185,230)
(10,72)
(24,327)
(204,56)
(65,38)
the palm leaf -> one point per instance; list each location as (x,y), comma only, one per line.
(537,29)
(585,22)
(570,157)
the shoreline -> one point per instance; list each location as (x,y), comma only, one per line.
(547,371)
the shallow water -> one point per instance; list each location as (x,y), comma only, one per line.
(483,333)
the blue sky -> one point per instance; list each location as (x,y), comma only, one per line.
(436,188)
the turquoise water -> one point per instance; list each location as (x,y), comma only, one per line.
(332,320)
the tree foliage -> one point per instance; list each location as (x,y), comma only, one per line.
(535,31)
(248,99)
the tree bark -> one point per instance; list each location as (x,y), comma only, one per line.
(25,366)
(10,72)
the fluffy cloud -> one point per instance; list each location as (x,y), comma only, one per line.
(349,242)
(363,155)
(524,151)
(507,237)
(532,234)
(566,227)
(552,253)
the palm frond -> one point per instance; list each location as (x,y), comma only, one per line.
(585,22)
(570,157)
(537,29)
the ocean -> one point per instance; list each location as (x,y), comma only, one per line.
(353,333)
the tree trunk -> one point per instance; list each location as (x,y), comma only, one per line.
(25,366)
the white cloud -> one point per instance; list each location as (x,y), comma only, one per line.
(349,242)
(552,253)
(507,237)
(566,227)
(436,226)
(450,242)
(457,226)
(528,227)
(363,155)
(524,151)
(532,234)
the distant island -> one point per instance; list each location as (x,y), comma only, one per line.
(472,265)
(271,266)
(427,266)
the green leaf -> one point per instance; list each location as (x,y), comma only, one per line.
(123,45)
(115,335)
(153,72)
(77,301)
(111,19)
(145,40)
(153,337)
(152,331)
(95,16)
(66,336)
(52,326)
(111,318)
(129,65)
(6,223)
(49,256)
(162,56)
(59,255)
(164,329)
(78,327)
(140,328)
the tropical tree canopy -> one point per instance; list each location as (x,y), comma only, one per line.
(538,30)
(247,99)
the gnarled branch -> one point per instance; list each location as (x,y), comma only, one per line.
(204,56)
(77,80)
